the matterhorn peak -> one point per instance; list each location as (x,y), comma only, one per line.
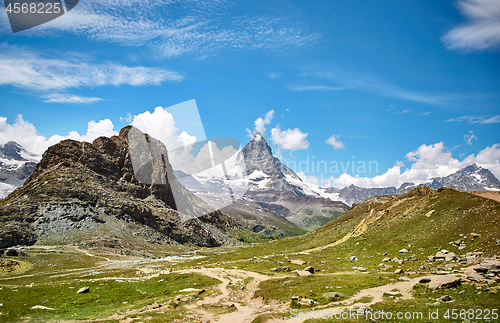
(257,136)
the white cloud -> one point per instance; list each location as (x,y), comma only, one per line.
(127,119)
(486,119)
(335,142)
(69,98)
(469,137)
(480,31)
(172,28)
(402,112)
(488,158)
(31,71)
(49,76)
(308,179)
(301,88)
(25,134)
(290,139)
(427,161)
(261,123)
(161,125)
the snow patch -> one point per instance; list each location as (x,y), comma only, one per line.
(12,164)
(257,174)
(6,189)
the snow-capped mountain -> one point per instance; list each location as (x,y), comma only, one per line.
(275,187)
(16,165)
(470,178)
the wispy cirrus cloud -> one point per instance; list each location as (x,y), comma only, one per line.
(51,77)
(481,30)
(486,119)
(172,28)
(69,98)
(302,88)
(341,80)
(402,111)
(274,75)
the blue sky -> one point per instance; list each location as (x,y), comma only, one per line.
(413,86)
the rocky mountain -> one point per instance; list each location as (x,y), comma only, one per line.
(354,194)
(274,186)
(16,164)
(273,189)
(470,178)
(80,190)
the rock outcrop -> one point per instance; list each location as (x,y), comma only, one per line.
(81,189)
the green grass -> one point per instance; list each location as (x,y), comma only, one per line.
(104,298)
(314,286)
(402,225)
(465,297)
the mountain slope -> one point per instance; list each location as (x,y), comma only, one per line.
(470,178)
(275,186)
(80,189)
(16,164)
(354,194)
(406,229)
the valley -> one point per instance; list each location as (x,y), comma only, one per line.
(383,254)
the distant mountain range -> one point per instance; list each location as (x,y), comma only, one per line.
(470,178)
(277,203)
(275,187)
(16,165)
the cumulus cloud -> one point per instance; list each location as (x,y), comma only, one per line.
(25,134)
(480,31)
(160,124)
(260,124)
(290,139)
(335,142)
(308,179)
(469,137)
(427,161)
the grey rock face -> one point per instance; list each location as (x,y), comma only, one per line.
(79,190)
(276,187)
(445,281)
(475,277)
(470,178)
(354,194)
